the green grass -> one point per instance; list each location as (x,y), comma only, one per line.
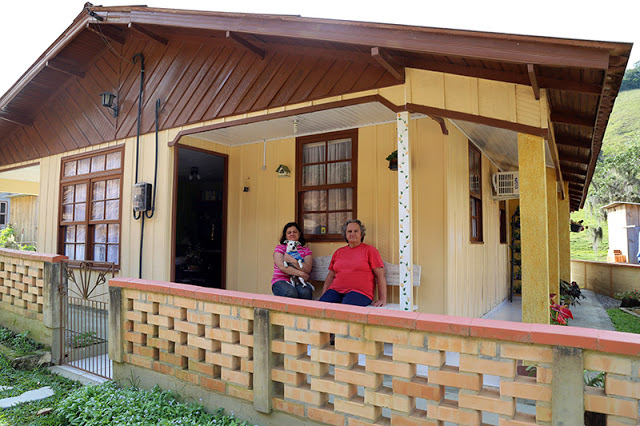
(623,123)
(623,321)
(582,242)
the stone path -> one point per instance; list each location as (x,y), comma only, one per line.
(29,396)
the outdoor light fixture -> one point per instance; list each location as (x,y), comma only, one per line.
(108,100)
(194,173)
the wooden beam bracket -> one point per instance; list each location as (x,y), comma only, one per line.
(388,63)
(107,32)
(258,51)
(149,34)
(65,70)
(534,81)
(442,122)
(16,119)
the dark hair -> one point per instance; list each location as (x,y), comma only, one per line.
(363,229)
(283,238)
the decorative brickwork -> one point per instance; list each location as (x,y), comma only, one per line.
(419,369)
(21,285)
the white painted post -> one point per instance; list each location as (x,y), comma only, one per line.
(404,213)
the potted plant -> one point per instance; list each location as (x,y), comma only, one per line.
(393,160)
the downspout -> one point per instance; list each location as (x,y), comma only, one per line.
(139,215)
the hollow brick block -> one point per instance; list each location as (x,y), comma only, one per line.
(136,316)
(357,407)
(448,411)
(148,329)
(213,384)
(145,351)
(387,366)
(330,356)
(472,364)
(201,342)
(140,361)
(388,335)
(173,359)
(359,347)
(200,318)
(242,325)
(188,376)
(216,308)
(326,416)
(452,344)
(305,394)
(238,392)
(188,327)
(246,339)
(308,338)
(282,319)
(287,348)
(620,387)
(184,302)
(280,404)
(607,363)
(327,326)
(190,352)
(543,412)
(236,350)
(519,420)
(173,312)
(414,356)
(544,375)
(203,368)
(306,366)
(418,387)
(526,352)
(526,387)
(172,336)
(596,400)
(358,376)
(139,305)
(135,337)
(222,335)
(450,376)
(413,420)
(238,377)
(279,374)
(487,400)
(226,361)
(246,365)
(302,323)
(330,386)
(384,398)
(163,368)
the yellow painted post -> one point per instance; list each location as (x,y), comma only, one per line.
(533,229)
(564,239)
(552,217)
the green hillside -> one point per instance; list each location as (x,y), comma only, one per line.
(616,177)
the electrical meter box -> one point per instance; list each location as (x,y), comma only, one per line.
(141,197)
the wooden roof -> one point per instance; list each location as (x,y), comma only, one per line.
(263,61)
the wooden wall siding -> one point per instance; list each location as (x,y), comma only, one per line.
(24,217)
(195,80)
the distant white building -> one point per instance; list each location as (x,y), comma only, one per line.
(624,227)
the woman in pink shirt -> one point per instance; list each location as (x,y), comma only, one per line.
(280,283)
(355,270)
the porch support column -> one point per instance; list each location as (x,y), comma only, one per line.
(533,229)
(552,217)
(564,239)
(404,213)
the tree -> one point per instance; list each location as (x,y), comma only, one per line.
(631,79)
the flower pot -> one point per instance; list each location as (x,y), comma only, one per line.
(393,164)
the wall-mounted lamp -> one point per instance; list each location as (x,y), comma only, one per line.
(108,100)
(194,174)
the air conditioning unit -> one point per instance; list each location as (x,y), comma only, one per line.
(506,185)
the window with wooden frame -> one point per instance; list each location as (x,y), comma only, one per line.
(503,222)
(3,213)
(326,171)
(475,193)
(90,206)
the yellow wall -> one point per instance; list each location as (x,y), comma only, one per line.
(23,215)
(605,278)
(477,274)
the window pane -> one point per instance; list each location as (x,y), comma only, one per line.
(80,252)
(3,207)
(80,212)
(67,194)
(112,253)
(473,207)
(339,150)
(113,188)
(83,166)
(474,228)
(97,211)
(114,233)
(70,234)
(314,200)
(313,175)
(69,251)
(315,223)
(336,220)
(341,199)
(100,235)
(100,252)
(113,160)
(313,152)
(97,163)
(70,168)
(3,219)
(339,172)
(112,210)
(67,213)
(474,183)
(98,190)
(81,234)
(81,193)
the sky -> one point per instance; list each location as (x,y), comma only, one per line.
(28,27)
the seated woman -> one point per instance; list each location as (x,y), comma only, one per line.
(280,283)
(354,271)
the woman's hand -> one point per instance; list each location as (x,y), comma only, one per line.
(381,283)
(378,303)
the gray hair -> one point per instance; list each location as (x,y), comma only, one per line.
(363,229)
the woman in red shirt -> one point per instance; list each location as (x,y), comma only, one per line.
(354,271)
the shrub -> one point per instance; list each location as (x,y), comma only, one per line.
(19,342)
(8,240)
(108,404)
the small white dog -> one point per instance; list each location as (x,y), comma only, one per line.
(292,250)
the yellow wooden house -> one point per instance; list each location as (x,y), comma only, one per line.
(158,139)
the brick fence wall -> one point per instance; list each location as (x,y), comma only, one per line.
(385,367)
(30,295)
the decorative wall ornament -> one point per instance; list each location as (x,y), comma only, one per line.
(404,213)
(283,171)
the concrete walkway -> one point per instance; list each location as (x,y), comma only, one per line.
(588,314)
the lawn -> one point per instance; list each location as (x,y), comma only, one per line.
(623,321)
(582,242)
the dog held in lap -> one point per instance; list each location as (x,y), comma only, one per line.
(292,250)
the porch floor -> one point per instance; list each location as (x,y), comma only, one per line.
(588,314)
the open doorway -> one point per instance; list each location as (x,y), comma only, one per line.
(200,218)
